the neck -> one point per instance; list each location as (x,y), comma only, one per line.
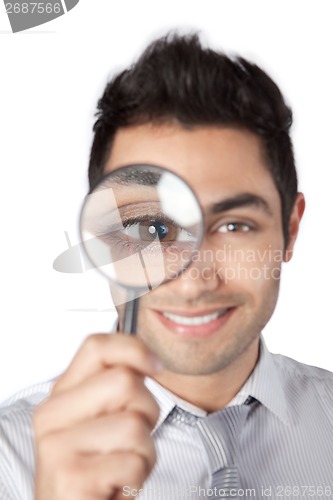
(214,391)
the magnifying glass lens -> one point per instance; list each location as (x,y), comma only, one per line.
(141,225)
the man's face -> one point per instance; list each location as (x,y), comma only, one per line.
(211,315)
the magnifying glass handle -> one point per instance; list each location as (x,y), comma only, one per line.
(130,317)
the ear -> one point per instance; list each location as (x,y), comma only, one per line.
(294,222)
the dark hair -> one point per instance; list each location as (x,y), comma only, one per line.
(176,79)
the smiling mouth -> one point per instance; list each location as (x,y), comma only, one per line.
(195,320)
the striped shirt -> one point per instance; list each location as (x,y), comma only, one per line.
(286,444)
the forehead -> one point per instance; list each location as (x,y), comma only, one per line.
(216,162)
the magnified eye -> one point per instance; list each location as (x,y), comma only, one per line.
(141,226)
(151,230)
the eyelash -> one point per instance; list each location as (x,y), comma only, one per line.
(133,246)
(134,220)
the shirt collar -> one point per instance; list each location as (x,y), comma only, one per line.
(264,384)
(167,402)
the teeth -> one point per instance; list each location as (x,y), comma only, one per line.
(194,320)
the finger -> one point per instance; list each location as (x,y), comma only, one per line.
(103,351)
(96,477)
(108,391)
(121,432)
(125,472)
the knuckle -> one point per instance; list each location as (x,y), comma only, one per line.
(69,475)
(136,347)
(126,379)
(139,469)
(140,348)
(59,467)
(49,446)
(153,458)
(92,343)
(135,426)
(48,460)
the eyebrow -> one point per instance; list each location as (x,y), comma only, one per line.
(142,177)
(241,200)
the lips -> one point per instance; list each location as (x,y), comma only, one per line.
(195,324)
(194,320)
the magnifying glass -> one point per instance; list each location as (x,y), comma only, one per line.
(140,226)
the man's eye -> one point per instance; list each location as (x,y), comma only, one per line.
(234,227)
(151,230)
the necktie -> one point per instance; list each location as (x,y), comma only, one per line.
(220,434)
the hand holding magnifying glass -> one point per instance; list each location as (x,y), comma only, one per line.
(140,227)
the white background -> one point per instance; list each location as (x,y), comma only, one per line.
(51,77)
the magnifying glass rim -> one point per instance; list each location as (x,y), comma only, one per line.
(138,289)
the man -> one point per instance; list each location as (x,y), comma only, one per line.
(194,406)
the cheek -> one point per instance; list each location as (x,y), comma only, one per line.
(252,268)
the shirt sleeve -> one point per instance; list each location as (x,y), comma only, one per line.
(17,454)
(17,443)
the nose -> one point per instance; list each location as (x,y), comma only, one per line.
(202,275)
